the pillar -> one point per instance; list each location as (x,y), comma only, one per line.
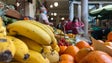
(100,5)
(79,11)
(30,9)
(84,16)
(71,10)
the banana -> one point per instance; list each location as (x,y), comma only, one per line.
(29,30)
(3,30)
(7,49)
(1,22)
(47,30)
(31,44)
(22,52)
(50,28)
(35,57)
(53,56)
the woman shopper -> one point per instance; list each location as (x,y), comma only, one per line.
(77,26)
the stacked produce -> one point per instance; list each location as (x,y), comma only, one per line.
(28,41)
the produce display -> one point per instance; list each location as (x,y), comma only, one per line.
(28,41)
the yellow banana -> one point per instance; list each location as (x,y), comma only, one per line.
(47,49)
(35,57)
(1,22)
(29,30)
(50,28)
(46,29)
(53,56)
(31,44)
(3,30)
(22,52)
(7,49)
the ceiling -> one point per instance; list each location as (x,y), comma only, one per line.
(62,10)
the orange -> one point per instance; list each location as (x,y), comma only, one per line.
(82,44)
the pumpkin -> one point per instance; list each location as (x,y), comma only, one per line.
(72,50)
(62,49)
(109,36)
(108,44)
(67,57)
(97,57)
(65,61)
(82,44)
(82,53)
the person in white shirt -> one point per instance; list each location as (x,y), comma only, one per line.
(43,16)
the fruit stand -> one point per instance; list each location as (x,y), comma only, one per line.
(29,41)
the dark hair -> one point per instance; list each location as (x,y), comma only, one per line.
(75,19)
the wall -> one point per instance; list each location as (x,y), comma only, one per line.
(30,9)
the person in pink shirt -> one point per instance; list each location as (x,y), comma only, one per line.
(76,25)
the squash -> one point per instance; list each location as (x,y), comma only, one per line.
(72,50)
(97,57)
(82,44)
(82,53)
(109,36)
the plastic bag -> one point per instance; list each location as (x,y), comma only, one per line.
(80,30)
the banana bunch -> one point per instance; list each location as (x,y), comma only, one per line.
(33,40)
(7,49)
(22,51)
(40,33)
(31,44)
(35,57)
(29,30)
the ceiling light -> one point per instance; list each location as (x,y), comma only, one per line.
(62,18)
(51,13)
(55,4)
(52,18)
(51,6)
(55,14)
(17,4)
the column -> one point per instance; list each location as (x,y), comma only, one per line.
(79,11)
(84,16)
(100,5)
(30,9)
(71,10)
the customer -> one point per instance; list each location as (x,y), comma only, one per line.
(68,26)
(77,26)
(43,16)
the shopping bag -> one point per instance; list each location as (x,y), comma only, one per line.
(80,30)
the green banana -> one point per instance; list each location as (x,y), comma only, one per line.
(22,52)
(29,30)
(31,44)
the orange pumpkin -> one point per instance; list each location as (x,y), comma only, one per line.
(109,36)
(65,61)
(72,50)
(97,57)
(108,44)
(82,44)
(62,49)
(67,57)
(82,53)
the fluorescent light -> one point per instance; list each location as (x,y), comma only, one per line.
(51,6)
(51,13)
(17,4)
(55,14)
(52,18)
(62,18)
(56,4)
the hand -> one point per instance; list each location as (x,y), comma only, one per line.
(51,24)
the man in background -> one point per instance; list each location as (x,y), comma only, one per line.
(43,16)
